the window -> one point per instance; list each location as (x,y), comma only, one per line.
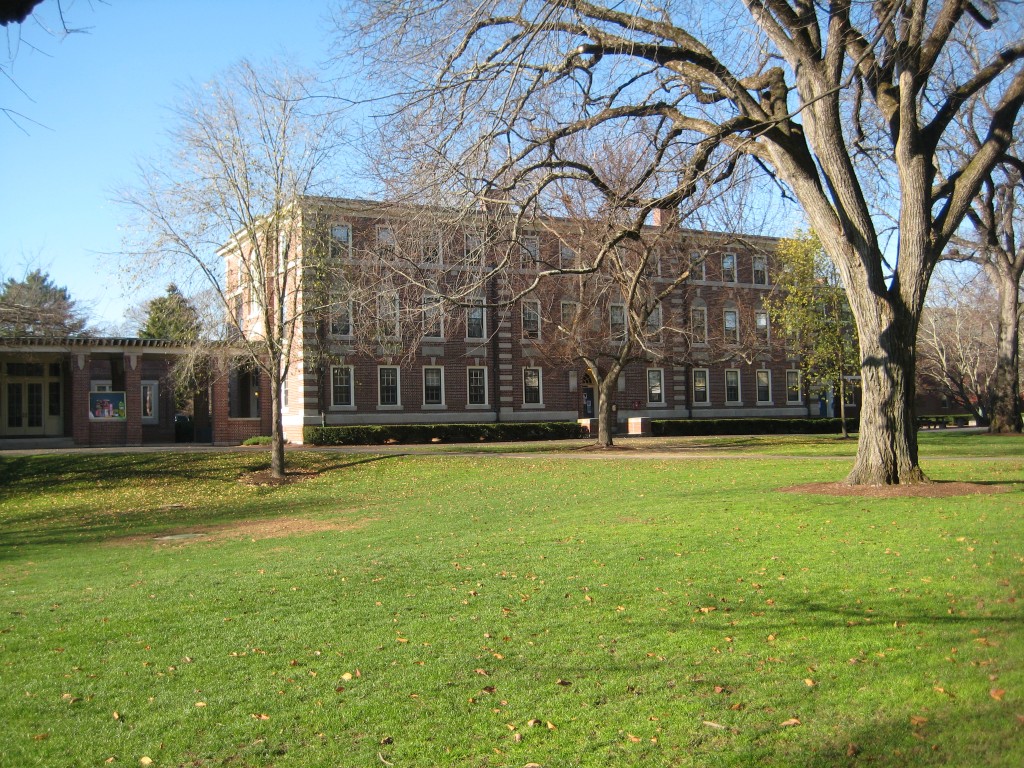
(54,398)
(617,320)
(760,270)
(433,317)
(433,385)
(387,314)
(284,395)
(530,245)
(566,256)
(654,320)
(387,243)
(655,386)
(697,264)
(699,324)
(388,393)
(793,388)
(731,325)
(476,320)
(96,385)
(476,381)
(732,386)
(341,318)
(764,386)
(474,247)
(150,403)
(531,320)
(431,250)
(341,386)
(729,267)
(700,386)
(568,314)
(532,392)
(341,241)
(761,324)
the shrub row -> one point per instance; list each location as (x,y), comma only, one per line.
(751,426)
(378,434)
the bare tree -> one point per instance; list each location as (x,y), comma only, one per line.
(221,207)
(960,341)
(993,238)
(846,103)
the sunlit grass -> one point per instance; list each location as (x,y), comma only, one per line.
(496,611)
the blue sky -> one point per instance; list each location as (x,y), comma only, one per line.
(101,98)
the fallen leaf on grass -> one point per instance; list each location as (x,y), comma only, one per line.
(809,683)
(997,694)
(260,716)
(634,739)
(200,703)
(145,761)
(40,736)
(789,723)
(711,724)
(483,672)
(560,681)
(917,721)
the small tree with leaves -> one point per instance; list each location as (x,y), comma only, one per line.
(172,317)
(809,306)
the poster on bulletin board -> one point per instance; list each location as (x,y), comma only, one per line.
(106,406)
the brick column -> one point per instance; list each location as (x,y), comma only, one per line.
(78,401)
(133,399)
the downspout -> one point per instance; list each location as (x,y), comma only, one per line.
(492,299)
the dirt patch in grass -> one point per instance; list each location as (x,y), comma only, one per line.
(933,490)
(276,528)
(263,477)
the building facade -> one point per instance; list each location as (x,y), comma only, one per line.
(414,317)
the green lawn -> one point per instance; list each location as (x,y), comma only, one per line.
(500,611)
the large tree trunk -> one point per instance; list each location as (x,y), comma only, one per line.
(605,413)
(887,446)
(1005,397)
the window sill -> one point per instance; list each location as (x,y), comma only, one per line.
(434,407)
(533,406)
(340,408)
(478,406)
(390,407)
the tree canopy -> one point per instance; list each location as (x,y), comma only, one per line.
(36,306)
(171,316)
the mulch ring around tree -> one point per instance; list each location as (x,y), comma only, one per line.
(263,477)
(933,490)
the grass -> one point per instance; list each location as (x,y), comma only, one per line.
(497,611)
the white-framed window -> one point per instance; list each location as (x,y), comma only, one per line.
(729,267)
(574,381)
(732,386)
(341,240)
(699,324)
(655,386)
(653,266)
(101,385)
(531,319)
(566,256)
(342,384)
(697,266)
(387,314)
(389,390)
(568,311)
(620,382)
(433,317)
(433,385)
(284,395)
(700,386)
(387,241)
(476,385)
(533,386)
(150,404)
(654,320)
(794,390)
(764,385)
(476,320)
(731,325)
(432,248)
(760,270)
(474,247)
(617,320)
(341,318)
(761,325)
(530,246)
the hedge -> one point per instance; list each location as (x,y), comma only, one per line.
(749,426)
(378,434)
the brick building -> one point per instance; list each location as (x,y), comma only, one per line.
(87,391)
(409,316)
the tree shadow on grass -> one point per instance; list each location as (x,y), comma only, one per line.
(86,523)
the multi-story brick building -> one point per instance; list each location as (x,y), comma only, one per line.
(415,316)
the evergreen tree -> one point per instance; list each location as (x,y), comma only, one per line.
(36,306)
(171,317)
